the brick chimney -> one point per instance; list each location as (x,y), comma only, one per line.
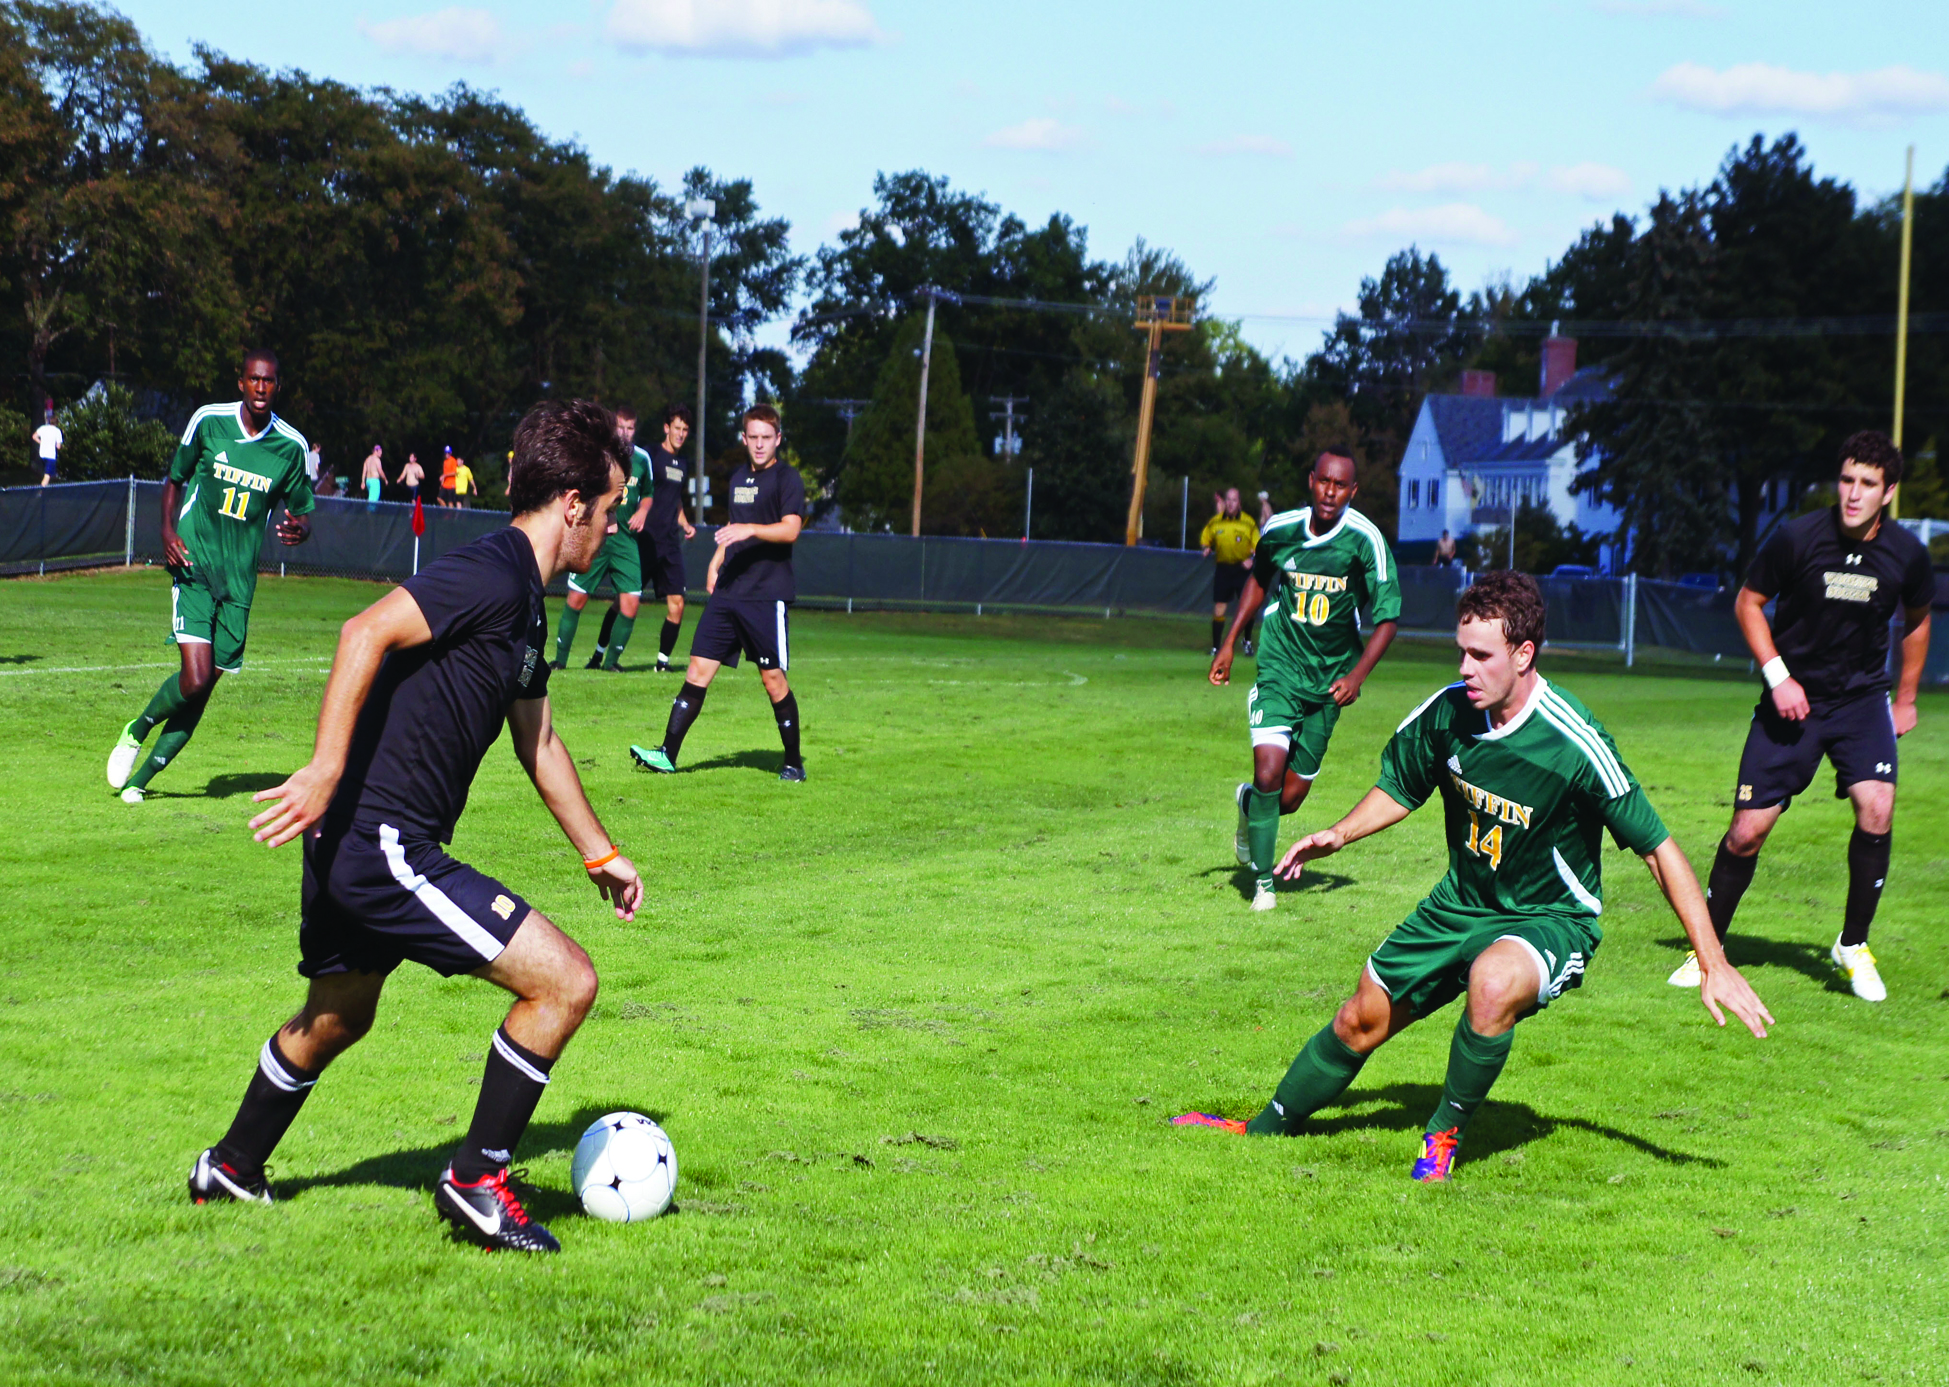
(1481,383)
(1559,361)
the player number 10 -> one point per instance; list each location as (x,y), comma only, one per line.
(1488,844)
(236,502)
(1315,609)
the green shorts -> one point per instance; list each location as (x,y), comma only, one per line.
(198,616)
(619,561)
(1301,725)
(1425,962)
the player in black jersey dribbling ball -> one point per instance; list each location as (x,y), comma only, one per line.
(423,681)
(1839,576)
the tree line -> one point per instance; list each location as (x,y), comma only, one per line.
(428,267)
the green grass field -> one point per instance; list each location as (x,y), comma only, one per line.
(917,1028)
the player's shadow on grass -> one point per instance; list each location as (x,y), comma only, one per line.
(20,659)
(1313,883)
(418,1169)
(249,783)
(1757,951)
(741,761)
(1497,1128)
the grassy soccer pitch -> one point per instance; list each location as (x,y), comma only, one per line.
(917,1028)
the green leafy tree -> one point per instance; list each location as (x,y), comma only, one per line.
(102,437)
(1080,451)
(961,494)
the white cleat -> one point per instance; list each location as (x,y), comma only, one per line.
(1264,898)
(1241,840)
(1857,964)
(121,761)
(1687,973)
(132,795)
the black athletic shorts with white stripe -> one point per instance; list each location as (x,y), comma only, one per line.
(373,900)
(758,629)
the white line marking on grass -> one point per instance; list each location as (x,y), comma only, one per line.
(160,664)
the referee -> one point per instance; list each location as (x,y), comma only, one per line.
(661,527)
(1839,576)
(1229,537)
(421,686)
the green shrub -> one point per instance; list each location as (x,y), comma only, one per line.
(105,439)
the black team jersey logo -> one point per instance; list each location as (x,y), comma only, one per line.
(1850,587)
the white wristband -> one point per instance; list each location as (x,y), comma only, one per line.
(1774,672)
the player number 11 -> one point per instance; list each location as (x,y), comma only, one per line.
(1488,844)
(236,502)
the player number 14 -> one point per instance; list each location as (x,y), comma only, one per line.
(236,502)
(1488,844)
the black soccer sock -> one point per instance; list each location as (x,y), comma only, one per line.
(666,640)
(608,625)
(1731,875)
(509,1090)
(271,1102)
(1867,869)
(1217,631)
(786,710)
(683,712)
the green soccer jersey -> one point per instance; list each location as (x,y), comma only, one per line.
(235,480)
(1525,804)
(1314,583)
(639,473)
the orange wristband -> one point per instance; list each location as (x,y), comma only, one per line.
(589,864)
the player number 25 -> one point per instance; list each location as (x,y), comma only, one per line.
(236,502)
(1488,844)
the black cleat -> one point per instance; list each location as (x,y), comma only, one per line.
(595,661)
(662,665)
(558,664)
(488,1213)
(213,1180)
(1248,650)
(792,773)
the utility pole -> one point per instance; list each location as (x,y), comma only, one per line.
(701,209)
(848,410)
(1028,505)
(1008,404)
(1156,315)
(920,421)
(1901,312)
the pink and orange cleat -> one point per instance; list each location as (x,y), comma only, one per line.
(1437,1155)
(1205,1119)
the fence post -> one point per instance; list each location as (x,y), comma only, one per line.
(43,492)
(1630,619)
(128,532)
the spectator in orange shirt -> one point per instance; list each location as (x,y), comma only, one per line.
(449,471)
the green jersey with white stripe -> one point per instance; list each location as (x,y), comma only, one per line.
(1313,585)
(1526,804)
(234,481)
(639,473)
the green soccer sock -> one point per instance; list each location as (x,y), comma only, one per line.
(1474,1061)
(619,638)
(565,633)
(167,702)
(1262,831)
(175,736)
(1319,1074)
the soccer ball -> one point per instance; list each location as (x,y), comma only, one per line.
(625,1168)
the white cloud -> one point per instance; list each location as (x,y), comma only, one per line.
(741,28)
(1452,223)
(1659,9)
(1591,182)
(1751,89)
(1039,132)
(456,33)
(1450,179)
(1248,144)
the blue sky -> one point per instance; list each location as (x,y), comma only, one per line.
(1284,149)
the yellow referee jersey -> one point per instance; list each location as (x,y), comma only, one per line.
(1230,539)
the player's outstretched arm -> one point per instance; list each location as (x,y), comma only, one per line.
(394,622)
(1247,607)
(784,531)
(1719,982)
(1377,810)
(532,729)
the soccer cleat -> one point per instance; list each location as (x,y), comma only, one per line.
(1687,973)
(595,660)
(1857,964)
(1204,1119)
(132,794)
(1241,840)
(653,759)
(795,774)
(121,761)
(212,1179)
(1214,652)
(1264,897)
(487,1212)
(662,665)
(558,664)
(1248,650)
(1437,1155)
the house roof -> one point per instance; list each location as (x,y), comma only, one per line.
(1469,427)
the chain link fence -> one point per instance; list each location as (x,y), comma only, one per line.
(90,524)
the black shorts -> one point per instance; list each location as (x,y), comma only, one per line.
(758,629)
(1229,582)
(663,564)
(1780,759)
(372,900)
